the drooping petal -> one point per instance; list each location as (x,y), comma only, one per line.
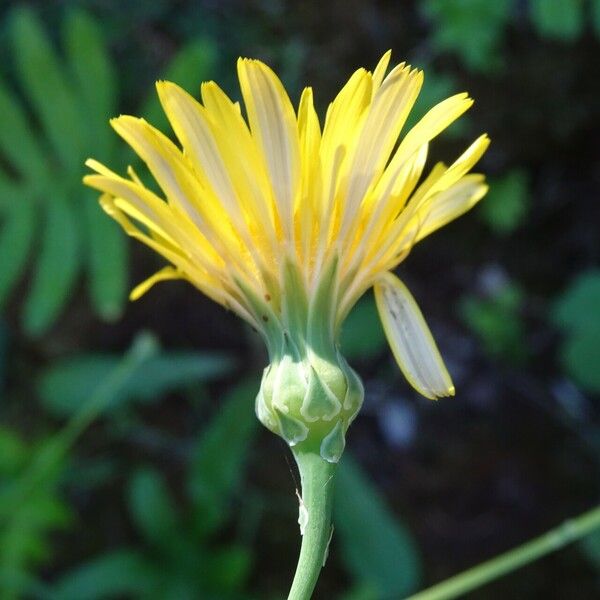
(410,339)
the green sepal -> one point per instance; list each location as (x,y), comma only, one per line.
(333,444)
(321,313)
(319,403)
(294,303)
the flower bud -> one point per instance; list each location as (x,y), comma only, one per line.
(310,402)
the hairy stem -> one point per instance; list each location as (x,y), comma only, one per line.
(315,521)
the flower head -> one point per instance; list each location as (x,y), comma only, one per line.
(287,222)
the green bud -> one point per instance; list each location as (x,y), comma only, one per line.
(310,402)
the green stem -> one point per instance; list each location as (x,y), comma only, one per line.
(317,497)
(557,538)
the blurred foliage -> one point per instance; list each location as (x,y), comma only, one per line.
(45,212)
(43,200)
(31,507)
(378,551)
(577,313)
(178,557)
(436,87)
(27,517)
(560,19)
(66,384)
(362,333)
(496,321)
(591,548)
(473,29)
(507,202)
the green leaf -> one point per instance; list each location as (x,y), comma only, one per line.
(472,29)
(13,452)
(558,19)
(497,323)
(18,143)
(360,592)
(376,548)
(25,528)
(19,583)
(4,353)
(576,313)
(151,507)
(229,568)
(591,548)
(192,65)
(362,334)
(94,77)
(45,83)
(596,17)
(580,354)
(577,307)
(122,573)
(220,455)
(507,203)
(57,266)
(16,240)
(71,102)
(69,382)
(107,254)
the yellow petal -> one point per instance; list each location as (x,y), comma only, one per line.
(242,159)
(453,202)
(190,123)
(432,124)
(309,202)
(408,228)
(442,178)
(387,114)
(142,204)
(164,274)
(191,126)
(384,205)
(410,339)
(342,126)
(273,123)
(380,69)
(183,188)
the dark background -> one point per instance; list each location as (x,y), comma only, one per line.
(165,488)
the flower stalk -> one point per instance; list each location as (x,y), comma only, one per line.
(317,479)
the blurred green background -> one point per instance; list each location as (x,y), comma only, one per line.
(131,465)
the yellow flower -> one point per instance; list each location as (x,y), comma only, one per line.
(288,223)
